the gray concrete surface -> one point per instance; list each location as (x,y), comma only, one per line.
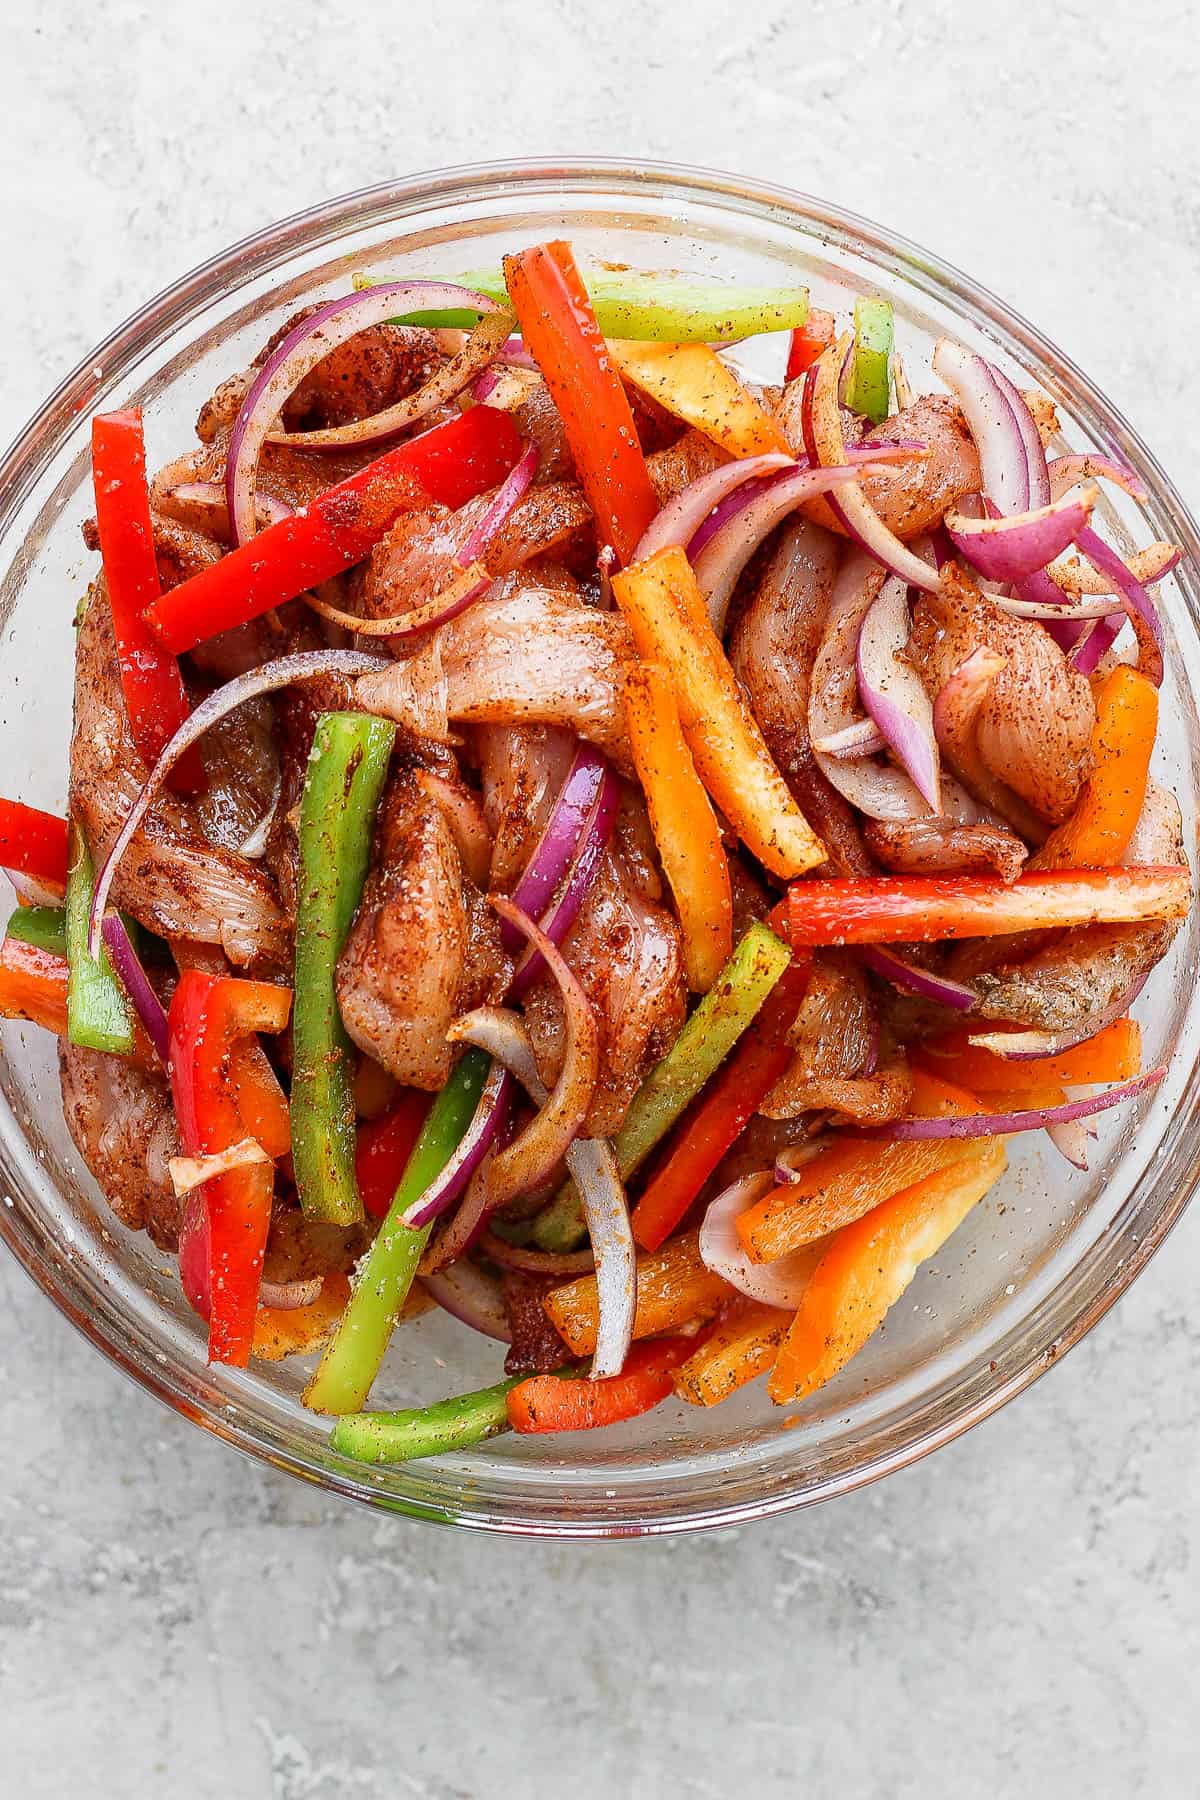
(1020,1615)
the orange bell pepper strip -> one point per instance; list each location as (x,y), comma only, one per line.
(554,1403)
(930,908)
(869,1264)
(691,381)
(155,697)
(296,1330)
(451,464)
(741,1348)
(217,1093)
(852,1176)
(1097,833)
(1114,1054)
(723,1110)
(673,1287)
(561,334)
(384,1147)
(33,985)
(809,342)
(669,624)
(684,825)
(34,843)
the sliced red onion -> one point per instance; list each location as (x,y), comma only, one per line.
(133,977)
(34,892)
(901,383)
(559,841)
(606,562)
(470,1296)
(529,1261)
(560,917)
(1023,1046)
(1035,455)
(1070,1138)
(486,384)
(1061,610)
(688,518)
(1143,615)
(476,1141)
(1066,472)
(821,422)
(299,352)
(992,422)
(792,1159)
(863,738)
(289,1296)
(915,980)
(593,1168)
(780,1283)
(1152,564)
(462,592)
(268,510)
(1002,1124)
(1091,649)
(892,691)
(1021,544)
(507,496)
(272,676)
(514,353)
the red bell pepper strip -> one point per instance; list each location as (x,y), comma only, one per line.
(384,1147)
(929,908)
(33,985)
(723,1111)
(560,332)
(808,342)
(557,1403)
(217,1100)
(155,698)
(450,464)
(34,843)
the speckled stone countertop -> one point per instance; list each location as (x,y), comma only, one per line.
(1019,1615)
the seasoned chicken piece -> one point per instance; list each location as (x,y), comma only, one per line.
(909,497)
(372,371)
(123,1124)
(528,657)
(944,847)
(772,650)
(424,945)
(173,879)
(1080,972)
(1034,729)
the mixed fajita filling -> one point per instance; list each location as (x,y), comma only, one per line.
(562,832)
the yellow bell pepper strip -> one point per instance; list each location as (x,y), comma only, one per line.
(155,698)
(543,1403)
(673,1287)
(852,1176)
(1114,1054)
(347,767)
(869,387)
(669,624)
(1097,833)
(741,1348)
(351,1361)
(637,304)
(869,1264)
(561,333)
(98,1015)
(717,1023)
(930,908)
(34,843)
(450,464)
(223,1237)
(691,381)
(684,825)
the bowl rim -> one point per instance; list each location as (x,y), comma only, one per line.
(256,254)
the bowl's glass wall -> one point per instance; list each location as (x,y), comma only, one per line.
(1032,1267)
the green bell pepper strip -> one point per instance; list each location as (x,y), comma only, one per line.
(43,926)
(456,1424)
(759,959)
(352,1357)
(869,385)
(346,771)
(636,304)
(97,1014)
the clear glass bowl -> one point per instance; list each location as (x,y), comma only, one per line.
(1033,1267)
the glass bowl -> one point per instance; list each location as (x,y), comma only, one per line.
(1033,1267)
